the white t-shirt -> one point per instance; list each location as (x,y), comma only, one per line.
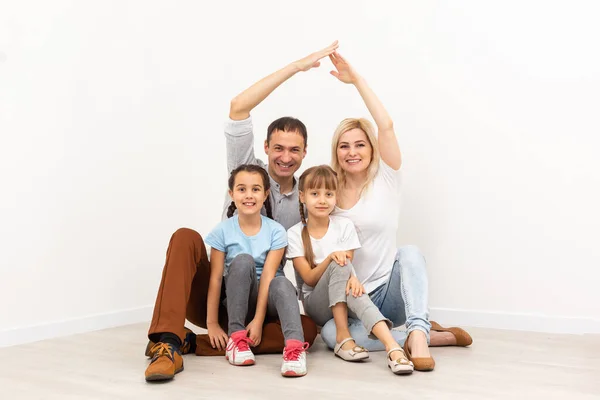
(340,236)
(375,217)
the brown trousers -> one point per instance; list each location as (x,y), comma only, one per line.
(183,294)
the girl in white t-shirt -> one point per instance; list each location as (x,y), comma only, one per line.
(321,248)
(395,278)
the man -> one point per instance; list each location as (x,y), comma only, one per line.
(184,286)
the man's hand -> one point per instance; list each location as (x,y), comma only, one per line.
(313,60)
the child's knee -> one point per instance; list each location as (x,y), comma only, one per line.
(281,287)
(341,271)
(242,262)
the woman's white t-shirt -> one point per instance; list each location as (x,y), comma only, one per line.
(340,236)
(375,217)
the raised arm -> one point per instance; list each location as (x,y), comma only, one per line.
(243,103)
(386,137)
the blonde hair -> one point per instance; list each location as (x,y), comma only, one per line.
(321,176)
(365,126)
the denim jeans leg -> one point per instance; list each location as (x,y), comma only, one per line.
(404,298)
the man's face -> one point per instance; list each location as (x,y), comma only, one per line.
(285,151)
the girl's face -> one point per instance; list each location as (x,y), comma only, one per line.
(354,151)
(248,193)
(319,202)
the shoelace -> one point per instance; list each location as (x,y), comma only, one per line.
(293,353)
(161,349)
(239,342)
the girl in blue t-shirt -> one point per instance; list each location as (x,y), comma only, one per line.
(246,253)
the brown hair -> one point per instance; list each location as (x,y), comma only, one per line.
(287,124)
(314,178)
(256,169)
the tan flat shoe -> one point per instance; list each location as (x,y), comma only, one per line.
(420,363)
(462,337)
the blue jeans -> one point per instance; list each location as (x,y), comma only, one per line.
(402,299)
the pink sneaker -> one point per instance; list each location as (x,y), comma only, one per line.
(238,351)
(294,358)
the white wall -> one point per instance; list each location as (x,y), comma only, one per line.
(111,119)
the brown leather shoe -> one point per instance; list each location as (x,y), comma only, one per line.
(420,363)
(165,363)
(462,337)
(188,345)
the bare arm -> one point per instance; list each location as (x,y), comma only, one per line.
(309,275)
(243,103)
(218,338)
(217,262)
(386,137)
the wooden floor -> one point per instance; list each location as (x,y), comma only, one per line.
(110,364)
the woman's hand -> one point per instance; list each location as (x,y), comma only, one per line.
(354,287)
(340,257)
(345,72)
(218,337)
(313,60)
(254,329)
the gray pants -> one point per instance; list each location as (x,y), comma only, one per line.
(331,289)
(241,289)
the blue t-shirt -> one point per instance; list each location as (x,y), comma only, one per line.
(229,238)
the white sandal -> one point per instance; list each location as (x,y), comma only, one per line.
(400,366)
(356,353)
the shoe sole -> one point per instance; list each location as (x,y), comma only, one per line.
(402,371)
(162,377)
(352,359)
(244,364)
(292,374)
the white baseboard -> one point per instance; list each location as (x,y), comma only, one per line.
(445,316)
(14,336)
(515,321)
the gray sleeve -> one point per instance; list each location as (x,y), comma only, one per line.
(239,142)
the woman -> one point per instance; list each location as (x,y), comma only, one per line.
(367,166)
